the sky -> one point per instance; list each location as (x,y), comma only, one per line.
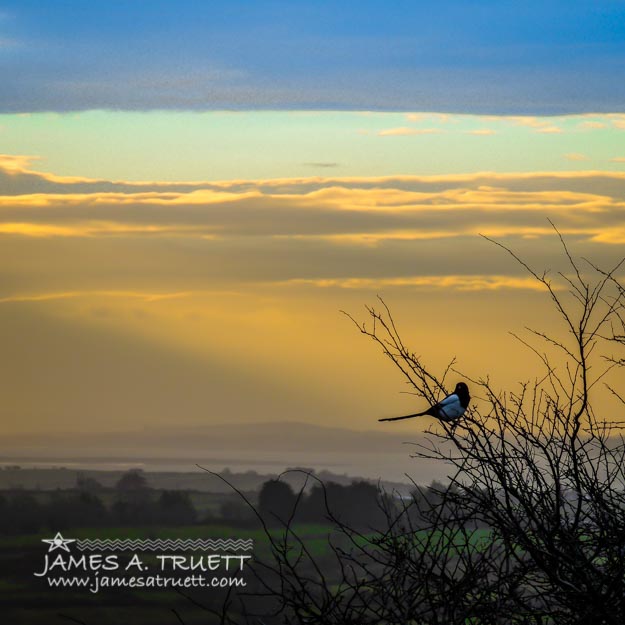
(191,193)
(490,57)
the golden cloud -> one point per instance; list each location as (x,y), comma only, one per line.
(249,232)
(443,118)
(456,282)
(550,130)
(46,297)
(93,229)
(592,125)
(538,124)
(404,131)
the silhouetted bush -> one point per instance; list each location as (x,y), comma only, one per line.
(538,468)
(74,509)
(235,511)
(357,504)
(133,482)
(23,514)
(133,503)
(276,501)
(88,484)
(175,508)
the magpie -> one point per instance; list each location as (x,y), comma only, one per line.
(449,409)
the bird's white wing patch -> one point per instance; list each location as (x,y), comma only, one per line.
(450,399)
(450,408)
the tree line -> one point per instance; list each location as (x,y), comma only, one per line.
(134,503)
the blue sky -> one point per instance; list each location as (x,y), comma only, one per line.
(474,57)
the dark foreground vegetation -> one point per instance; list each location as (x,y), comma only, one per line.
(530,529)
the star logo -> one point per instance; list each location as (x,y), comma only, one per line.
(58,542)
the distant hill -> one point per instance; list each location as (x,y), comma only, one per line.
(271,436)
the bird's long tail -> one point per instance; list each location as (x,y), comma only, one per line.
(408,416)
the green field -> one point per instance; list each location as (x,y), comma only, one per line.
(26,599)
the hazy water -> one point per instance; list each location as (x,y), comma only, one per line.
(374,466)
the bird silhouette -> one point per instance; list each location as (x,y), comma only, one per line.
(449,409)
